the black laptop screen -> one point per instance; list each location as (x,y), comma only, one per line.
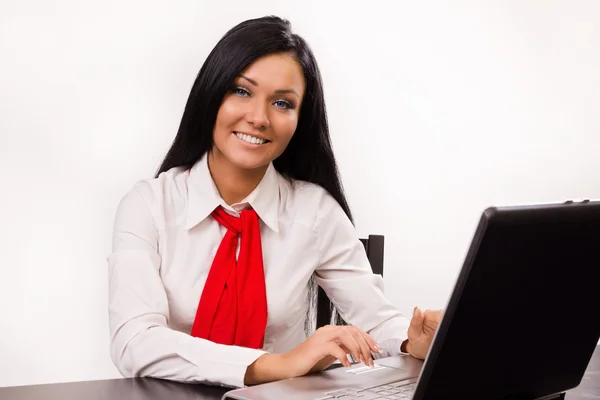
(528,318)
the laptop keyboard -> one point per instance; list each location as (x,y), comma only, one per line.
(391,391)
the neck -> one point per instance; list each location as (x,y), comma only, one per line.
(233,183)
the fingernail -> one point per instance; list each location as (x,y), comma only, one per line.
(414,311)
(378,348)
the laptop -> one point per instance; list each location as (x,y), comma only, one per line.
(522,322)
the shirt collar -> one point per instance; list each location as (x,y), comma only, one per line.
(203,196)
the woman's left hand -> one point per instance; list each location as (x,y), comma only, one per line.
(421,331)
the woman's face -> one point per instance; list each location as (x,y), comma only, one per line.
(259,114)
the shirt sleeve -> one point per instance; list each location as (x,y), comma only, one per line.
(141,343)
(345,274)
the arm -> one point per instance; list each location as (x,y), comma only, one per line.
(267,368)
(346,276)
(141,343)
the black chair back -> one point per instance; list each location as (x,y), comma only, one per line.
(326,313)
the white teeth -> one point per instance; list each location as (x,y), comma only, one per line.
(249,139)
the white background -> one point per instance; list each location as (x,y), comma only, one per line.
(437,111)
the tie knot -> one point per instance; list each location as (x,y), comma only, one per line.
(234,224)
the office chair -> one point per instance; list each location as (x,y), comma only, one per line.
(326,313)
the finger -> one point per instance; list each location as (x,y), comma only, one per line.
(341,336)
(367,358)
(417,319)
(373,346)
(365,349)
(350,342)
(337,352)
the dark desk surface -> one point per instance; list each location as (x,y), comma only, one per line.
(150,389)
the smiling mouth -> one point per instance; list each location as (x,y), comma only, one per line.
(250,139)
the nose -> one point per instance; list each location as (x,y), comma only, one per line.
(256,114)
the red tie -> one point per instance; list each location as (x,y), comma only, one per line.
(233,305)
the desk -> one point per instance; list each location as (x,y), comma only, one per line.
(154,389)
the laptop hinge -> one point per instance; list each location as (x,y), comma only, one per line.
(559,396)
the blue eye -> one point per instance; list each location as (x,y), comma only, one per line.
(282,104)
(241,92)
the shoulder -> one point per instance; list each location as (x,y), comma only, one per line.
(308,203)
(167,190)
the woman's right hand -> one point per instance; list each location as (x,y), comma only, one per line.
(316,353)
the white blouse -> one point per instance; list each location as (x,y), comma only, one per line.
(164,242)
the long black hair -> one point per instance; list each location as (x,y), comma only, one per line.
(309,155)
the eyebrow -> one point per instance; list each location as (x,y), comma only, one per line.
(280,91)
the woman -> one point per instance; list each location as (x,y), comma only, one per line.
(213,258)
